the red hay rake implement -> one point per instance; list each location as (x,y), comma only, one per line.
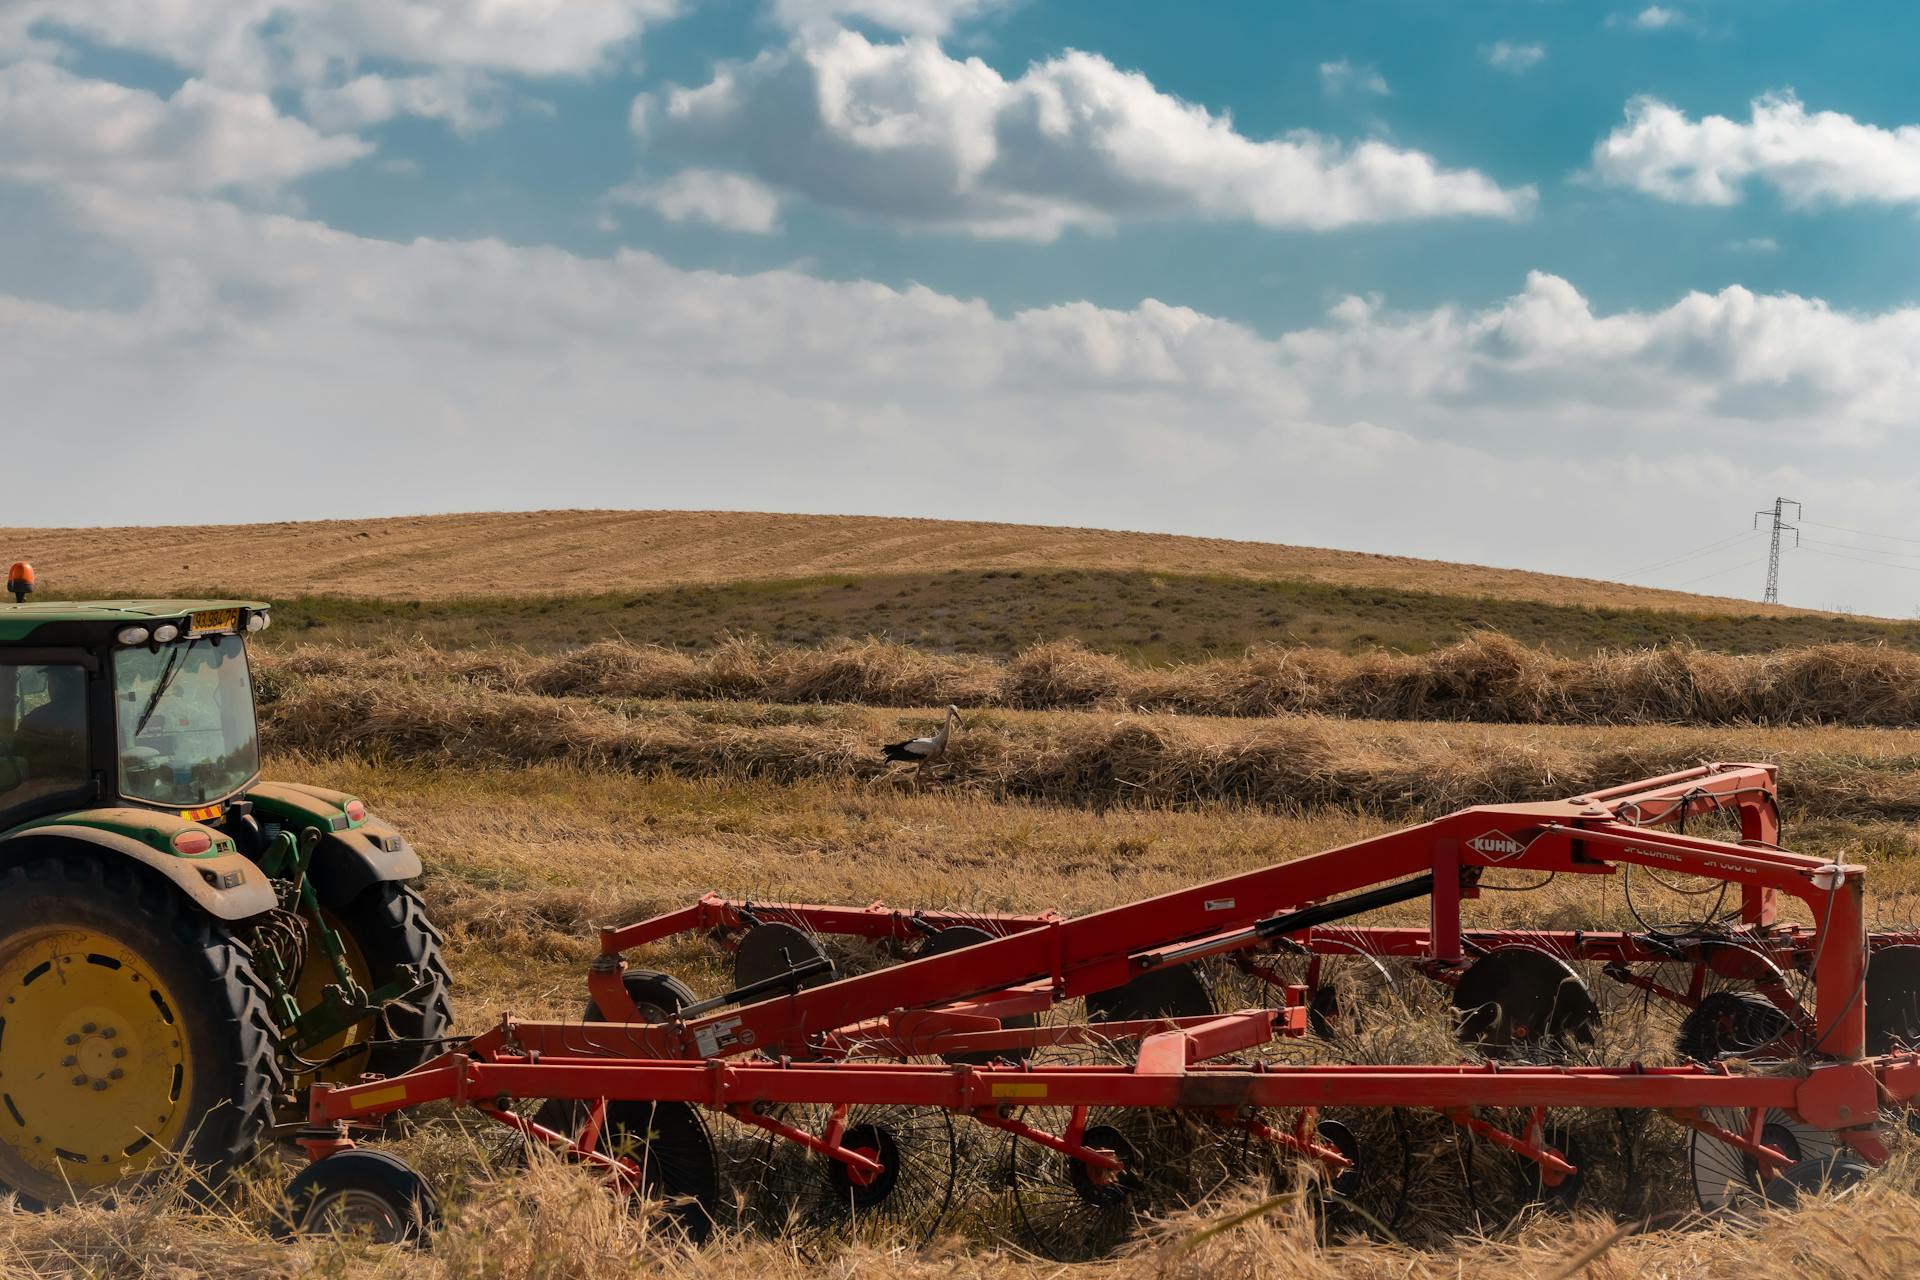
(864,1095)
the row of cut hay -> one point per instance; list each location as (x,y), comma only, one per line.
(1287,763)
(1488,678)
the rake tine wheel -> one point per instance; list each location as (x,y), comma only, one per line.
(670,1144)
(1332,1193)
(1069,1211)
(1735,1024)
(1893,999)
(816,1203)
(1345,985)
(1729,1180)
(1505,1187)
(775,948)
(1177,992)
(1523,1002)
(954,938)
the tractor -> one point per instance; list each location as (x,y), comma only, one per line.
(183,944)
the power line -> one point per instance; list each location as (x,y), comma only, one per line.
(1872,551)
(1716,545)
(1879,564)
(1862,533)
(1773,557)
(1744,564)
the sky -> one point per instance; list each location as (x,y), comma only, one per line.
(1577,287)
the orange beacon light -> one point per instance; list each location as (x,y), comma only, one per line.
(20,580)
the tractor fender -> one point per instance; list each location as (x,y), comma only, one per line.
(226,885)
(348,862)
(351,857)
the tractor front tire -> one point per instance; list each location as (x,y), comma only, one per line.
(388,926)
(135,1038)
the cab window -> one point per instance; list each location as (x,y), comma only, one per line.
(185,717)
(43,732)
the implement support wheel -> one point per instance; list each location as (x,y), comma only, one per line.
(359,1193)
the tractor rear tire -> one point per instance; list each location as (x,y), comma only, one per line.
(388,926)
(135,1037)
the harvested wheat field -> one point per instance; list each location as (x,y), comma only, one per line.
(559,786)
(497,553)
(524,861)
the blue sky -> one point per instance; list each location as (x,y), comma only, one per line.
(1258,61)
(1530,282)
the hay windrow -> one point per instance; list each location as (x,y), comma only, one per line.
(1487,678)
(1095,760)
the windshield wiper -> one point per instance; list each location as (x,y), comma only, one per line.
(167,673)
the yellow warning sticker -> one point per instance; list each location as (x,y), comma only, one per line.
(1020,1089)
(380,1097)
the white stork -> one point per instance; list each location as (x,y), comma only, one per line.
(924,751)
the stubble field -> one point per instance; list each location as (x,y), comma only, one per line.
(551,790)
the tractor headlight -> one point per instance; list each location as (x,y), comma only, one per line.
(131,635)
(164,632)
(258,621)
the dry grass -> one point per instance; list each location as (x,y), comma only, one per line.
(1084,758)
(438,557)
(551,1224)
(1487,678)
(523,862)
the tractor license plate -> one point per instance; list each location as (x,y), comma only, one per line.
(212,620)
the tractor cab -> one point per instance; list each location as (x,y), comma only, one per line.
(138,703)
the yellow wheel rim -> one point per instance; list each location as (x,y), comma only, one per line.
(316,974)
(96,1070)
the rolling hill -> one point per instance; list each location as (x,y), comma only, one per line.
(571,552)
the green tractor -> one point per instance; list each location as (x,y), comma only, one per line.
(182,944)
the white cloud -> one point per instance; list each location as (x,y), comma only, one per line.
(262,40)
(429,366)
(1810,158)
(320,45)
(1755,244)
(730,201)
(1708,359)
(57,127)
(1652,18)
(528,37)
(468,101)
(1338,77)
(902,132)
(1510,55)
(908,17)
